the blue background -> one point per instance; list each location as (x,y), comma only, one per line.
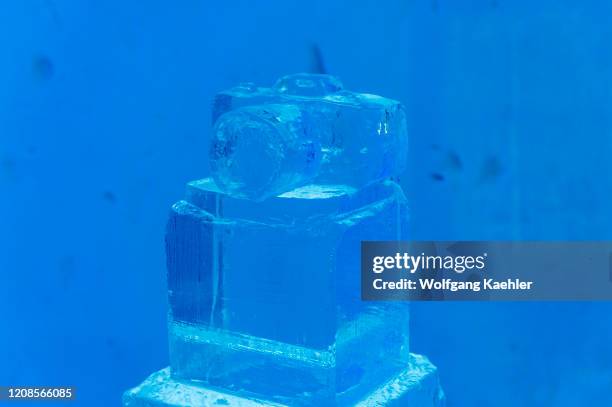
(105,114)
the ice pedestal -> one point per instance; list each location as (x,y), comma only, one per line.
(263,261)
(265,297)
(417,386)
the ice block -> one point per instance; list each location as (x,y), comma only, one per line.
(348,138)
(265,297)
(417,386)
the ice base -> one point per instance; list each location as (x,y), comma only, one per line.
(264,296)
(416,386)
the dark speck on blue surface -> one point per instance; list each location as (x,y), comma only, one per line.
(454,161)
(109,196)
(436,176)
(42,67)
(318,64)
(491,169)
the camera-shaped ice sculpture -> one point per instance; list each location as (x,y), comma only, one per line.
(305,129)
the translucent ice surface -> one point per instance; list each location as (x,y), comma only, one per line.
(340,137)
(265,297)
(288,89)
(262,149)
(415,386)
(307,84)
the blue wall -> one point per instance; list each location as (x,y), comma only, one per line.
(105,114)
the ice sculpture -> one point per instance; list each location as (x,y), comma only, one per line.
(306,129)
(263,258)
